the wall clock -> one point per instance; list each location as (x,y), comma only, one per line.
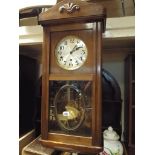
(71,117)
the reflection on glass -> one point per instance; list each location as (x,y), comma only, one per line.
(70,107)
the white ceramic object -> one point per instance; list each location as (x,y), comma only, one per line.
(112,145)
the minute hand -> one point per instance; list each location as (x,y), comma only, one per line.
(75,49)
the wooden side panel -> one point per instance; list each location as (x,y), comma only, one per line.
(97,128)
(45,85)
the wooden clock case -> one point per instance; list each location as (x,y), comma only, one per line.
(87,21)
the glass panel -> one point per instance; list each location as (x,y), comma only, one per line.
(70,107)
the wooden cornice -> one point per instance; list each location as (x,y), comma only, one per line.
(67,11)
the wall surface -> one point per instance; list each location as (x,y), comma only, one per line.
(115,28)
(28,3)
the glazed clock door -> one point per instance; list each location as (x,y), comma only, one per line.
(70,107)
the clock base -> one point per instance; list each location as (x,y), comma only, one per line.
(71,147)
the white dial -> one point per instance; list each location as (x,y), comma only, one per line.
(71,53)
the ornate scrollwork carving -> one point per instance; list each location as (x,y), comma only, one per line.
(69,8)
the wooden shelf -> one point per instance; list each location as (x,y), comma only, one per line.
(36,148)
(26,139)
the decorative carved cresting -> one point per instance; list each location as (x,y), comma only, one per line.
(69,8)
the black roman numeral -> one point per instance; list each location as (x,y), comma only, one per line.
(61,58)
(83,52)
(64,62)
(61,47)
(77,63)
(70,64)
(72,40)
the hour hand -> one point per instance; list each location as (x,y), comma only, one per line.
(73,49)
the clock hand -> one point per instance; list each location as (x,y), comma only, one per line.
(78,47)
(75,48)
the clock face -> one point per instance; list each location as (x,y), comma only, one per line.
(71,53)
